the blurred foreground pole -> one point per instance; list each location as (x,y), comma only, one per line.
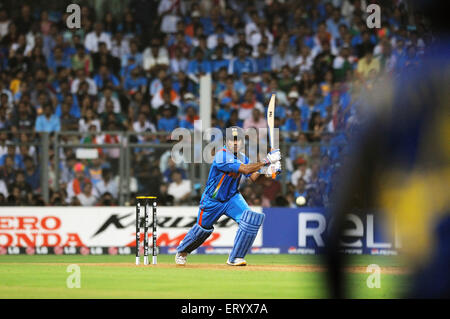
(205,100)
(205,116)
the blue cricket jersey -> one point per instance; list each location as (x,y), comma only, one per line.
(224,177)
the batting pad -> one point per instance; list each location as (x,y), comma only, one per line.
(246,234)
(194,238)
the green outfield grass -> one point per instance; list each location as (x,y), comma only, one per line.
(267,276)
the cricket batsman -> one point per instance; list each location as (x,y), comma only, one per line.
(222,196)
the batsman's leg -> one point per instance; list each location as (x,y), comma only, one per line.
(207,216)
(194,238)
(249,224)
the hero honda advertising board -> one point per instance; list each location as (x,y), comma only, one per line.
(111,230)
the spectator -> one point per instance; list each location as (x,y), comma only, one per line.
(263,60)
(301,149)
(242,42)
(104,78)
(180,189)
(25,21)
(23,118)
(24,190)
(295,124)
(134,55)
(229,90)
(178,62)
(166,95)
(109,23)
(286,81)
(304,61)
(110,116)
(48,122)
(323,62)
(171,168)
(314,158)
(342,64)
(367,64)
(107,185)
(120,46)
(86,197)
(198,66)
(219,61)
(282,58)
(77,185)
(256,120)
(189,101)
(300,189)
(272,188)
(107,199)
(74,201)
(32,174)
(164,198)
(109,96)
(169,10)
(315,127)
(301,171)
(5,124)
(311,105)
(189,119)
(143,125)
(242,63)
(334,22)
(3,191)
(112,154)
(57,199)
(129,26)
(57,59)
(95,169)
(93,38)
(81,79)
(168,122)
(7,171)
(365,44)
(383,51)
(219,35)
(247,106)
(135,82)
(4,23)
(67,121)
(234,119)
(81,60)
(224,113)
(155,56)
(14,198)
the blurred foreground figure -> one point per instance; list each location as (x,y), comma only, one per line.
(400,165)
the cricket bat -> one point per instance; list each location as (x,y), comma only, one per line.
(271,123)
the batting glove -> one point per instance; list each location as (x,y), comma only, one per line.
(273,157)
(271,170)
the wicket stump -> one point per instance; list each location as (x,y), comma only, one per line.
(143,202)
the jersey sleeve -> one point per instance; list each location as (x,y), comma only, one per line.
(226,162)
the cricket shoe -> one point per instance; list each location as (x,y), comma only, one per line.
(237,262)
(180,259)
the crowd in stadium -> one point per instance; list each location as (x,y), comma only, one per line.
(138,69)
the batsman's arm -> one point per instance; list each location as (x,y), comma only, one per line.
(247,169)
(257,177)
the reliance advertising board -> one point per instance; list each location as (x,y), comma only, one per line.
(111,230)
(303,231)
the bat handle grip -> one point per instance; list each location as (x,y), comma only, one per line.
(274,175)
